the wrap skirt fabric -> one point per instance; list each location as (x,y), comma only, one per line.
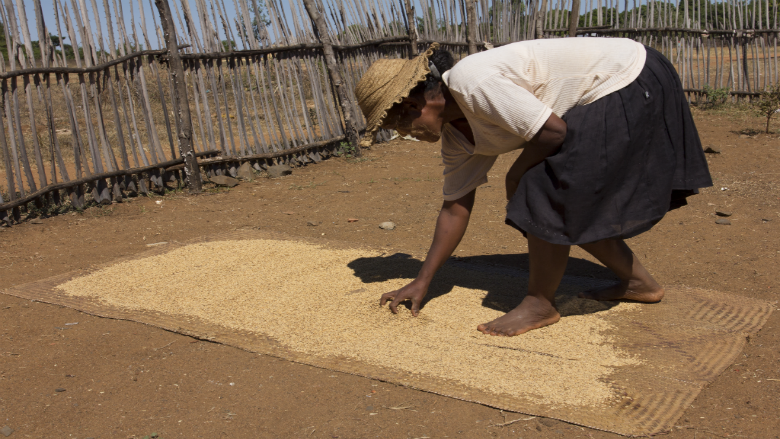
(628,158)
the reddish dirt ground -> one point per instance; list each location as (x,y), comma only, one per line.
(127,380)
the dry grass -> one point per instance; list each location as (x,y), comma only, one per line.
(310,300)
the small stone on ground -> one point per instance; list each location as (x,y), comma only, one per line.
(387,225)
(223,180)
(723,222)
(6,431)
(276,171)
(59,389)
(711,150)
(312,223)
(722,213)
(245,172)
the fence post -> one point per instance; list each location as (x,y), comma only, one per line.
(540,20)
(471,30)
(342,94)
(574,18)
(413,28)
(181,104)
(745,61)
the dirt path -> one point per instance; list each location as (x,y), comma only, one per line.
(123,379)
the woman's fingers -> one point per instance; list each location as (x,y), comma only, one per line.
(387,296)
(396,297)
(415,307)
(394,304)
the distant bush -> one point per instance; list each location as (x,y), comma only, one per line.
(715,96)
(768,103)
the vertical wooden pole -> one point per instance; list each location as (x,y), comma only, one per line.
(413,28)
(540,20)
(574,18)
(471,36)
(181,106)
(744,42)
(321,31)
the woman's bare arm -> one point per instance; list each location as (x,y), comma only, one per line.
(545,143)
(450,228)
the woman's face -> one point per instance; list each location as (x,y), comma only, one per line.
(418,115)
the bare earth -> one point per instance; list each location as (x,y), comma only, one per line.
(126,380)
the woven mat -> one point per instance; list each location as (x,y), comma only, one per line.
(656,358)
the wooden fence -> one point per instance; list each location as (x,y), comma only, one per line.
(151,94)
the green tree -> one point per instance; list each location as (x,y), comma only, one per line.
(768,104)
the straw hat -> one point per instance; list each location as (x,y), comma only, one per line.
(386,83)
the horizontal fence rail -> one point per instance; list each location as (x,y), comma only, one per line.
(122,97)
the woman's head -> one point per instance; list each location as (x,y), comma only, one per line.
(406,95)
(420,113)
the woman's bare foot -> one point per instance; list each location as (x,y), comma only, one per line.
(636,282)
(532,313)
(636,290)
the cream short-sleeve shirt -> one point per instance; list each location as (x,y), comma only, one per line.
(508,93)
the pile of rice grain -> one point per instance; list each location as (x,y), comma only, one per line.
(308,299)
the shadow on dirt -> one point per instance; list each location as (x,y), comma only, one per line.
(502,277)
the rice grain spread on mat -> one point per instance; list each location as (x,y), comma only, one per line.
(309,299)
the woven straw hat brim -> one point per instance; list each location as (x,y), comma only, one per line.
(386,83)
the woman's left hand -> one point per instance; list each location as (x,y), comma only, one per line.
(545,143)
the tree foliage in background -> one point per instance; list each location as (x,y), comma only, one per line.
(438,23)
(55,41)
(261,22)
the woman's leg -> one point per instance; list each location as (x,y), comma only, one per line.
(547,265)
(635,281)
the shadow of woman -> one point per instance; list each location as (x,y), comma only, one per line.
(504,278)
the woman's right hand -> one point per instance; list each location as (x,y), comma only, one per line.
(415,291)
(450,227)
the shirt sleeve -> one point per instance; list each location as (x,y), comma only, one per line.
(464,171)
(500,101)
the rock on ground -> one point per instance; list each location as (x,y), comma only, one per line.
(387,225)
(224,180)
(245,172)
(276,171)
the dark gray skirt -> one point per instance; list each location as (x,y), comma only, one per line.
(628,158)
